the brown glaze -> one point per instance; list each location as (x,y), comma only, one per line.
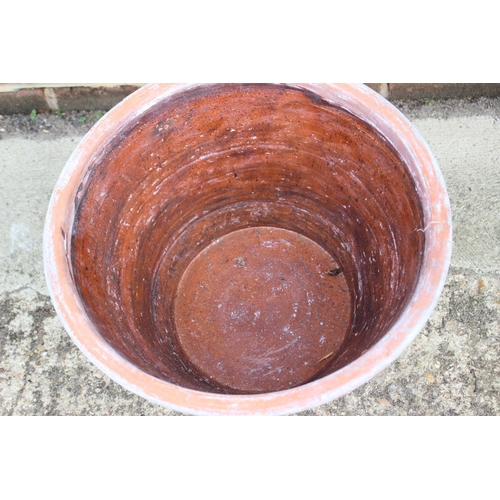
(220,163)
(259,310)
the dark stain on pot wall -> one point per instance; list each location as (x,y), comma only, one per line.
(208,165)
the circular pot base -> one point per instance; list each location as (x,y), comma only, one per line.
(261,309)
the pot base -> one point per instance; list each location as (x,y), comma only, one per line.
(261,309)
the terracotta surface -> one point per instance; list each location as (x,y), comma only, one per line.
(262,309)
(238,249)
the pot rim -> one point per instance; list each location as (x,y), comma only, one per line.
(359,100)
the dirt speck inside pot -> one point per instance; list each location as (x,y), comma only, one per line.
(245,239)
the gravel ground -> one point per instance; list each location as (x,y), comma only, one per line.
(48,125)
(449,108)
(450,369)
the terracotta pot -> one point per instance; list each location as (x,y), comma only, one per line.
(247,249)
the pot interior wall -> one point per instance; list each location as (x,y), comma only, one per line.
(245,238)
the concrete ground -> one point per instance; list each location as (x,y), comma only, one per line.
(451,368)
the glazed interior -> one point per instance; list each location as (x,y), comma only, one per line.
(249,168)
